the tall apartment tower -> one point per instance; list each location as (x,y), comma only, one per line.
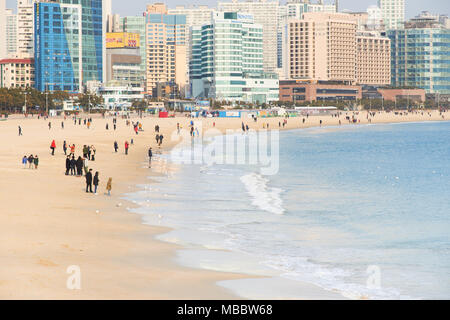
(2,28)
(11,33)
(264,12)
(166,47)
(321,46)
(393,13)
(25,27)
(373,65)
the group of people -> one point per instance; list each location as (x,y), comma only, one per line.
(30,161)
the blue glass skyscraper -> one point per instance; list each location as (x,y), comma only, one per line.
(69,43)
(58,47)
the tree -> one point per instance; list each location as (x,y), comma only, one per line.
(89,101)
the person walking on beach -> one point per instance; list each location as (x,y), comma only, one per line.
(30,161)
(126,147)
(49,125)
(73,164)
(161,137)
(89,181)
(62,125)
(150,155)
(157,139)
(20,130)
(65,147)
(109,186)
(53,147)
(93,151)
(36,161)
(72,149)
(116,146)
(67,165)
(25,161)
(96,182)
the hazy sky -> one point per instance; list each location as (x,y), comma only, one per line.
(413,7)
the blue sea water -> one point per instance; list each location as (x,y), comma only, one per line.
(359,210)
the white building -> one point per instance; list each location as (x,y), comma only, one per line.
(393,13)
(2,28)
(375,18)
(25,27)
(264,12)
(120,98)
(227,61)
(11,33)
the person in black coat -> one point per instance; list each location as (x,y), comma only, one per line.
(116,146)
(79,166)
(67,165)
(96,182)
(89,181)
(73,164)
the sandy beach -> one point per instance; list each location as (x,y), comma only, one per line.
(48,222)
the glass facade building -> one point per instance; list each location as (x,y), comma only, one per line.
(92,38)
(227,61)
(58,47)
(420,57)
(137,25)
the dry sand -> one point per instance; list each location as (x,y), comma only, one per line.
(48,222)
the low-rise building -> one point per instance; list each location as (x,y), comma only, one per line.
(307,91)
(406,94)
(120,98)
(16,73)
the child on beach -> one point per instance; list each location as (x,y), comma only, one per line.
(109,186)
(25,161)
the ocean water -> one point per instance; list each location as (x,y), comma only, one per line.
(363,211)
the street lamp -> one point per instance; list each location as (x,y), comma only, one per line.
(25,106)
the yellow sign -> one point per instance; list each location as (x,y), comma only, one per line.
(122,40)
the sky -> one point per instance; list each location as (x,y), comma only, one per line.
(413,7)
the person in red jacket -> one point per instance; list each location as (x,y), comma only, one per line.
(126,147)
(53,147)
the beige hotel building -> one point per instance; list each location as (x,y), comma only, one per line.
(327,47)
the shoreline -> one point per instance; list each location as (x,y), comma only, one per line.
(134,244)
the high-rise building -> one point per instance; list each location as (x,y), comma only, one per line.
(321,46)
(294,9)
(374,19)
(328,47)
(93,36)
(113,23)
(373,65)
(2,28)
(195,16)
(227,61)
(58,47)
(138,25)
(393,13)
(11,33)
(166,47)
(420,55)
(25,27)
(264,12)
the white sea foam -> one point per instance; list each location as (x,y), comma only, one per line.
(264,197)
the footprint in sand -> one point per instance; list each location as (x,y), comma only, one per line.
(46,263)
